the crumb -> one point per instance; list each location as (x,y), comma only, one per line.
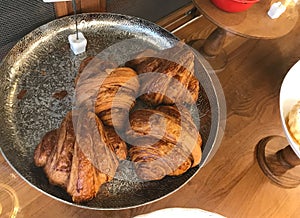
(21,94)
(60,95)
(43,73)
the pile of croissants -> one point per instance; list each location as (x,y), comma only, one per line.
(118,118)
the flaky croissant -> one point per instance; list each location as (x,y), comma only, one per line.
(162,144)
(59,162)
(94,162)
(178,83)
(79,162)
(116,96)
(107,90)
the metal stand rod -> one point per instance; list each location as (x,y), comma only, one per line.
(75,17)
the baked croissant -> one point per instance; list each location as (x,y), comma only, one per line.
(79,163)
(163,144)
(94,162)
(59,162)
(109,91)
(185,119)
(163,89)
(116,96)
(91,74)
(45,147)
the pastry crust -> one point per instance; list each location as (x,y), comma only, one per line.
(119,146)
(79,162)
(109,92)
(45,147)
(93,162)
(158,89)
(117,96)
(162,143)
(59,162)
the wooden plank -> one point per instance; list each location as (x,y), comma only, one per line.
(93,5)
(61,9)
(83,6)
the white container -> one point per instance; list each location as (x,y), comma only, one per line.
(78,46)
(276,10)
(289,96)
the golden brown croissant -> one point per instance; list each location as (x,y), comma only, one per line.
(184,118)
(92,72)
(116,96)
(158,89)
(109,91)
(94,161)
(85,180)
(80,163)
(163,145)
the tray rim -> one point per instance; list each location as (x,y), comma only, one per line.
(220,122)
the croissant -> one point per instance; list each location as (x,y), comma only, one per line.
(58,165)
(116,96)
(161,144)
(94,161)
(85,179)
(45,147)
(185,119)
(109,91)
(79,163)
(157,89)
(91,74)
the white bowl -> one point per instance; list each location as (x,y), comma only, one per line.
(289,96)
(180,212)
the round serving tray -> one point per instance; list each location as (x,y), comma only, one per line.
(41,64)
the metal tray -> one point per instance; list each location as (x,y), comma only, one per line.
(42,63)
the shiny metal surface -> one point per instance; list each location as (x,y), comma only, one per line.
(42,64)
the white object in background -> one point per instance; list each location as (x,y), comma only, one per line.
(179,213)
(276,10)
(77,45)
(289,96)
(56,1)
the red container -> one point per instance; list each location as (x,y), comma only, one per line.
(234,5)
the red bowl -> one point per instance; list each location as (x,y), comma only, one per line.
(234,5)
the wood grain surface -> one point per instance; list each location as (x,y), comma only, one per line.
(86,6)
(232,183)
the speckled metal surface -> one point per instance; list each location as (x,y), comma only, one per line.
(42,64)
